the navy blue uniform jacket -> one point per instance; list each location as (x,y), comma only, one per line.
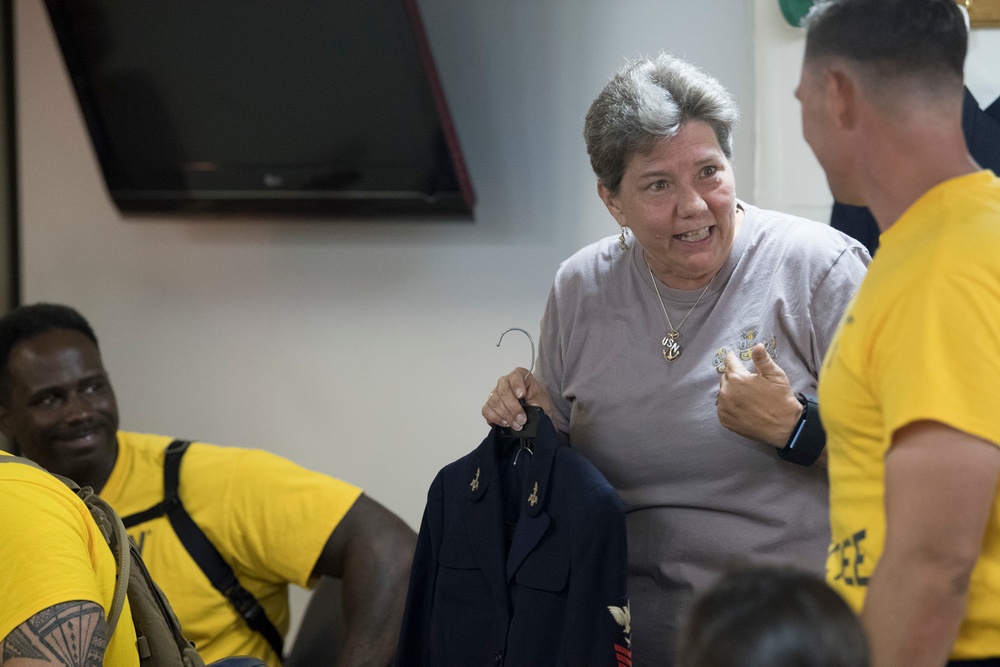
(557,598)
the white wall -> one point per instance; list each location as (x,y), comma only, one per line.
(982,66)
(361,350)
(789,178)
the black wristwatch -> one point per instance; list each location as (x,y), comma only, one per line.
(808,437)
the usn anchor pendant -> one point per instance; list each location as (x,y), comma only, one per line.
(671,348)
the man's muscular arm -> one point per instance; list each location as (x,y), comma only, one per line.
(370,551)
(940,489)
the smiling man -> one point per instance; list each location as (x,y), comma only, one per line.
(48,375)
(272,522)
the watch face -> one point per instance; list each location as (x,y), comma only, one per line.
(795,10)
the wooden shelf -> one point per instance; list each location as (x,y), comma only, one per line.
(983,13)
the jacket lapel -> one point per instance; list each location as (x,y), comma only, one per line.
(534,520)
(527,535)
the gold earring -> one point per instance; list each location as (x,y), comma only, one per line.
(622,237)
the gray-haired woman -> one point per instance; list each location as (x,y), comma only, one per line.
(659,356)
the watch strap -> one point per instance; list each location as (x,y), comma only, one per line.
(808,437)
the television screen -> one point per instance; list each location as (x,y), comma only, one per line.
(321,107)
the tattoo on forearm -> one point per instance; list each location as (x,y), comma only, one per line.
(71,634)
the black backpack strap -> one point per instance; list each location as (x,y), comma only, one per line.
(157,510)
(175,450)
(203,552)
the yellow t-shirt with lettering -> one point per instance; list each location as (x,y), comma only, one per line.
(268,517)
(53,552)
(921,341)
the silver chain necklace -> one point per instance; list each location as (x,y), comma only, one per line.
(671,342)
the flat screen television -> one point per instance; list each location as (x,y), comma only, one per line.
(317,107)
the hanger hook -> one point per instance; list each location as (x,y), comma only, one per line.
(530,340)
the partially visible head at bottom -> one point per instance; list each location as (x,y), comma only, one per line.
(761,616)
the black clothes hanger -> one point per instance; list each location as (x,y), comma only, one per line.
(533,413)
(513,446)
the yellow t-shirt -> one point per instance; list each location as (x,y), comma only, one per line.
(52,552)
(268,517)
(921,341)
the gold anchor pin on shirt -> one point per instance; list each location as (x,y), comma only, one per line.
(475,481)
(533,498)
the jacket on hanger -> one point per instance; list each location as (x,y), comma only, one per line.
(520,561)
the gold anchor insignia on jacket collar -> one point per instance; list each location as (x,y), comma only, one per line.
(533,498)
(474,484)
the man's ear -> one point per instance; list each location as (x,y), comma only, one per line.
(842,96)
(610,200)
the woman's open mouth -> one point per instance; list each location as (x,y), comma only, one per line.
(694,235)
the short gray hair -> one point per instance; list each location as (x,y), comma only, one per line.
(649,100)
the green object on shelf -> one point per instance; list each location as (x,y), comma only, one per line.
(795,10)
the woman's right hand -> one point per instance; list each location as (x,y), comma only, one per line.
(503,406)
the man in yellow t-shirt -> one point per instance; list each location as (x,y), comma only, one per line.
(57,580)
(909,388)
(272,522)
